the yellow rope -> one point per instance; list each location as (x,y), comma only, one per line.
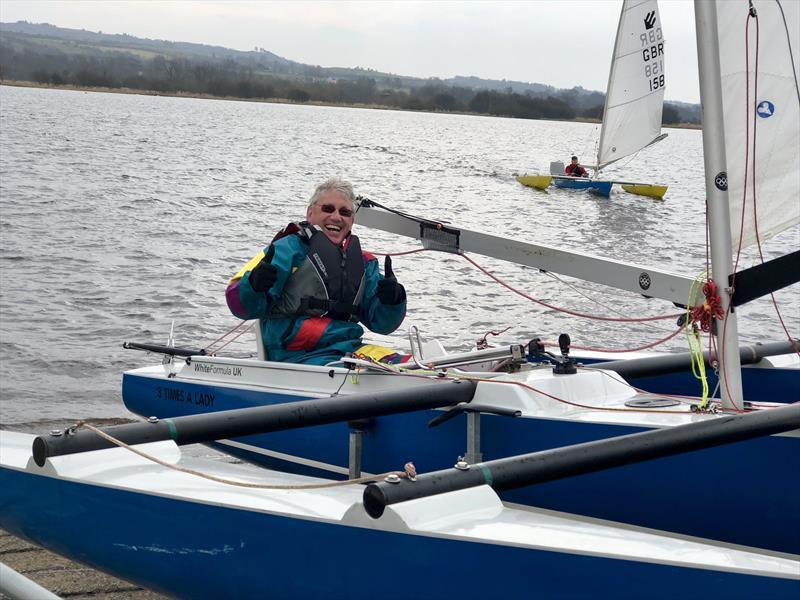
(695,341)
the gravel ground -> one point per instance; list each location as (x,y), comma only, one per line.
(63,577)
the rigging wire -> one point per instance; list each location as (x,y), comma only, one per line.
(578,291)
(566,310)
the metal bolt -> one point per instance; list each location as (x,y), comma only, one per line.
(152,419)
(56,432)
(462,465)
(392,478)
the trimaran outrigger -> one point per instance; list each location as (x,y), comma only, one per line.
(574,437)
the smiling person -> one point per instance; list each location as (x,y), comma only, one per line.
(313,285)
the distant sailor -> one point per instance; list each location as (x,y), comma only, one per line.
(313,285)
(575,169)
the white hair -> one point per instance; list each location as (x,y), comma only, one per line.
(334,184)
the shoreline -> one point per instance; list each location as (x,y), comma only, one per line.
(137,92)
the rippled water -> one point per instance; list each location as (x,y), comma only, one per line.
(122,213)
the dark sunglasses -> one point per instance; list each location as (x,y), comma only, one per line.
(330,209)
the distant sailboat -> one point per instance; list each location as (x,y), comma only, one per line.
(633,107)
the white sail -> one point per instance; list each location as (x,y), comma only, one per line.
(766,118)
(635,93)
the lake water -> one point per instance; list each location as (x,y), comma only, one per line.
(120,214)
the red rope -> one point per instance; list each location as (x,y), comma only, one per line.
(541,302)
(645,347)
(247,326)
(755,205)
(565,310)
(704,314)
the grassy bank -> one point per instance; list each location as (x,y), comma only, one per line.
(179,94)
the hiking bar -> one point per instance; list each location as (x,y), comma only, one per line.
(589,457)
(170,350)
(200,428)
(653,366)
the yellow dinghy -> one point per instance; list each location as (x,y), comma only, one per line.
(539,182)
(645,189)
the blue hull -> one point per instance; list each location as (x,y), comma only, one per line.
(738,493)
(195,550)
(780,385)
(603,188)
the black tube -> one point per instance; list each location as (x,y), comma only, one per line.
(653,366)
(559,463)
(171,350)
(765,278)
(261,419)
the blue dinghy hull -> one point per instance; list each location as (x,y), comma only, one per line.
(192,540)
(746,483)
(602,188)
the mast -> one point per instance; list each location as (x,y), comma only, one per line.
(727,334)
(608,88)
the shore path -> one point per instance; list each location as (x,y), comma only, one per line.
(64,577)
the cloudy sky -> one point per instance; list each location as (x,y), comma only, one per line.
(561,43)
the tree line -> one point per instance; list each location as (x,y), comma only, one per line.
(228,78)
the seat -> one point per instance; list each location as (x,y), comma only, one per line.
(262,355)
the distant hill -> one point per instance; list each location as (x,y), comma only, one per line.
(53,55)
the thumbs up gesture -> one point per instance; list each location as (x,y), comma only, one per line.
(390,292)
(265,274)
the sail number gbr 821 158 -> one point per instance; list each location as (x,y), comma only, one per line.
(652,41)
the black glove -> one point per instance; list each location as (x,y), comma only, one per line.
(264,275)
(390,292)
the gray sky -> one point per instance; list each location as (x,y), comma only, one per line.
(561,43)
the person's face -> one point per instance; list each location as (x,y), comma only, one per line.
(333,212)
(574,161)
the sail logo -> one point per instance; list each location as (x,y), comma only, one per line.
(650,19)
(765,109)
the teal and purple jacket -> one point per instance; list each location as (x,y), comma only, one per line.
(300,337)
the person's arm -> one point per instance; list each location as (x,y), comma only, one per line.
(383,306)
(252,292)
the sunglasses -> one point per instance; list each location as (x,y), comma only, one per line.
(330,209)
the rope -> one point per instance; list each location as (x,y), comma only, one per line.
(711,309)
(755,212)
(638,349)
(244,484)
(532,299)
(569,402)
(249,327)
(695,342)
(565,310)
(578,291)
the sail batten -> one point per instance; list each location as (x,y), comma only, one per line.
(635,92)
